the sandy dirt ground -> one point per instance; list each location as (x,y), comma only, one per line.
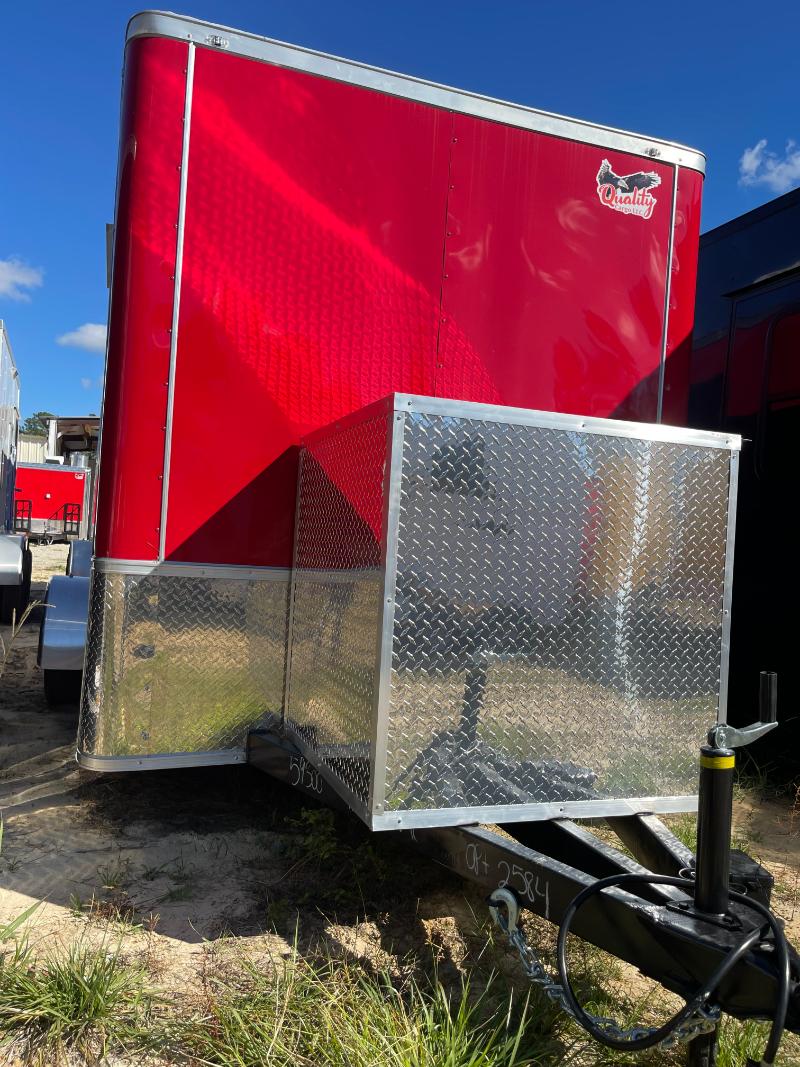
(185,858)
(188,863)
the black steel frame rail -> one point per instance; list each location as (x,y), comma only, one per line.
(655,928)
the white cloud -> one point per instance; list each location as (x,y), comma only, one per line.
(16,277)
(92,383)
(91,337)
(758,166)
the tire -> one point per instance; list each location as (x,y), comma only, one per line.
(62,688)
(10,600)
(27,571)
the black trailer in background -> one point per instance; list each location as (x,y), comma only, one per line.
(745,378)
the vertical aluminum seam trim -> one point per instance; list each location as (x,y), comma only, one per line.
(176,300)
(727,588)
(667,289)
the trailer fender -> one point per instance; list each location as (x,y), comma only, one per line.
(16,566)
(79,559)
(62,636)
(12,551)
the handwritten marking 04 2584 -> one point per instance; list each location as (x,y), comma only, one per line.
(529,885)
(475,859)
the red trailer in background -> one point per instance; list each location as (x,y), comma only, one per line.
(52,502)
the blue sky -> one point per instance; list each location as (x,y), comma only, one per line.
(718,76)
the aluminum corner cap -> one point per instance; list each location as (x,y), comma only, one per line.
(266,50)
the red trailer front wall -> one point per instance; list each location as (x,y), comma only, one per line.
(296,237)
(49,488)
(340,244)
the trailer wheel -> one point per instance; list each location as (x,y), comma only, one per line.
(25,588)
(10,601)
(62,688)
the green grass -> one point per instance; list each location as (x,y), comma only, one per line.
(83,1004)
(336,1014)
(9,931)
(84,999)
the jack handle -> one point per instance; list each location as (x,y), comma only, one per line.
(725,736)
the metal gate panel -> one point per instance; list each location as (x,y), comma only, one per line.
(537,627)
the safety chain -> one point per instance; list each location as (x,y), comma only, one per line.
(704,1022)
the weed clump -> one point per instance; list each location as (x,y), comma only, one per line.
(336,1014)
(84,999)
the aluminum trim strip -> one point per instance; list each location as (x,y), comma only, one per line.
(428,405)
(192,570)
(176,300)
(385,635)
(169,761)
(279,53)
(570,809)
(662,367)
(727,595)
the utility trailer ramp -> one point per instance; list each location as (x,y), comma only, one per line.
(500,614)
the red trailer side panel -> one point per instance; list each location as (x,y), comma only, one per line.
(134,405)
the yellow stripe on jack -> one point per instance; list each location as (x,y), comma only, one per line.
(717,763)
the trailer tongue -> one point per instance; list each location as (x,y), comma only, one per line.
(414,588)
(645,911)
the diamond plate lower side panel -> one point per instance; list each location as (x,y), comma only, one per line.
(180,664)
(334,675)
(336,603)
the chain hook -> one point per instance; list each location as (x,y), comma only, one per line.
(504,898)
(505,911)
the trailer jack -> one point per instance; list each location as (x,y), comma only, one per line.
(673,918)
(697,1022)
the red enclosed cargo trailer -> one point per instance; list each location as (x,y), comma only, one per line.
(51,501)
(386,277)
(298,236)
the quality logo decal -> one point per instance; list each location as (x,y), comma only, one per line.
(628,193)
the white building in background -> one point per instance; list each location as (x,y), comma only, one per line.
(31,448)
